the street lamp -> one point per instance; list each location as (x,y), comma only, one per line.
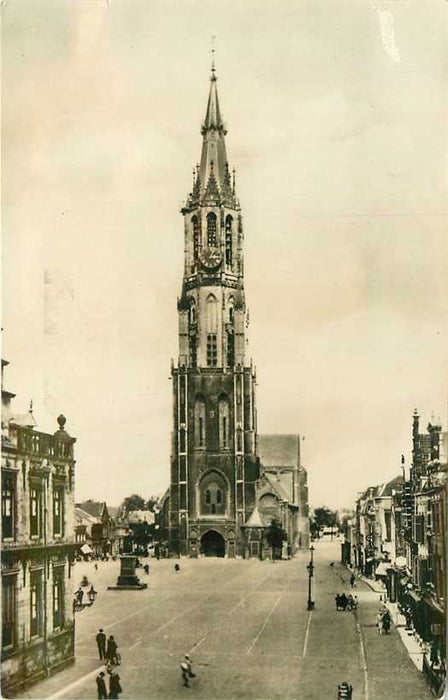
(157,510)
(310,568)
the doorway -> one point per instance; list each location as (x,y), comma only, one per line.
(213,544)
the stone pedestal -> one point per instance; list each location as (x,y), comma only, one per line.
(128,579)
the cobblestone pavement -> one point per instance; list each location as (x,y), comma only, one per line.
(246,626)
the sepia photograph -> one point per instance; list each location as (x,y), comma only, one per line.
(224,349)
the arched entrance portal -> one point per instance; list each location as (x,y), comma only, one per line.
(213,544)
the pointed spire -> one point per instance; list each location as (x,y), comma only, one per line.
(213,118)
(213,131)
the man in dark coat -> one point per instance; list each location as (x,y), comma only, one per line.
(101,685)
(101,644)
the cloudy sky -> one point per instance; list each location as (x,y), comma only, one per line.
(336,114)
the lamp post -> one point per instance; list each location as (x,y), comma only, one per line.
(310,568)
(157,530)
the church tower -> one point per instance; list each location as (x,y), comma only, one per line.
(214,464)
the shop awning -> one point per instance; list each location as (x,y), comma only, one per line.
(86,549)
(381,569)
(430,602)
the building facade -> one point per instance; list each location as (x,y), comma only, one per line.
(38,478)
(399,537)
(214,465)
(95,527)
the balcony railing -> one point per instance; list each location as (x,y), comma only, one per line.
(42,444)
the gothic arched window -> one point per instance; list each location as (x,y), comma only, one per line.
(229,243)
(212,313)
(212,239)
(230,307)
(230,335)
(192,333)
(196,237)
(212,328)
(199,422)
(224,422)
(213,494)
(192,313)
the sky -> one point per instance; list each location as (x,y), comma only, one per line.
(336,115)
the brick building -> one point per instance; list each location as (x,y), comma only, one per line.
(38,474)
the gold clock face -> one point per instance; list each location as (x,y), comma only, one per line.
(211,258)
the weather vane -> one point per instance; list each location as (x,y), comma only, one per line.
(213,51)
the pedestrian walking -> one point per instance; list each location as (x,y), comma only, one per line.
(111,651)
(96,566)
(114,685)
(350,602)
(379,621)
(176,567)
(101,686)
(79,595)
(101,643)
(352,581)
(91,594)
(187,670)
(386,622)
(343,601)
(337,599)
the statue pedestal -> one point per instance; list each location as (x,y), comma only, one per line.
(128,579)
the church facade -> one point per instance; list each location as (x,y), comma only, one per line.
(215,469)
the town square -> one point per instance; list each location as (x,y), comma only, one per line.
(247,629)
(224,350)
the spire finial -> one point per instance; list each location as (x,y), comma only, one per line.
(213,51)
(31,406)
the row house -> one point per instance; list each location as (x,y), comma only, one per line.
(38,479)
(95,529)
(399,537)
